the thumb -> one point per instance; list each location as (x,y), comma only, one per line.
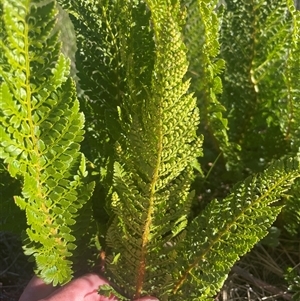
(84,288)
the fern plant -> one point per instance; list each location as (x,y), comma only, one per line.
(143,140)
(40,130)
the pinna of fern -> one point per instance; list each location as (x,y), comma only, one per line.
(40,132)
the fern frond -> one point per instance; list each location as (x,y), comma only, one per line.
(228,229)
(100,70)
(255,42)
(290,100)
(102,77)
(153,173)
(40,131)
(201,35)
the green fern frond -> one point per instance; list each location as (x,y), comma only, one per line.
(109,66)
(40,131)
(201,36)
(102,77)
(255,43)
(101,73)
(290,101)
(228,229)
(153,173)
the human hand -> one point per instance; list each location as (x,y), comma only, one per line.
(84,288)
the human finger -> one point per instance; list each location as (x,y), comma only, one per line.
(36,289)
(84,288)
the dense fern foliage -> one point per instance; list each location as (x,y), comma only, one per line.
(150,72)
(261,91)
